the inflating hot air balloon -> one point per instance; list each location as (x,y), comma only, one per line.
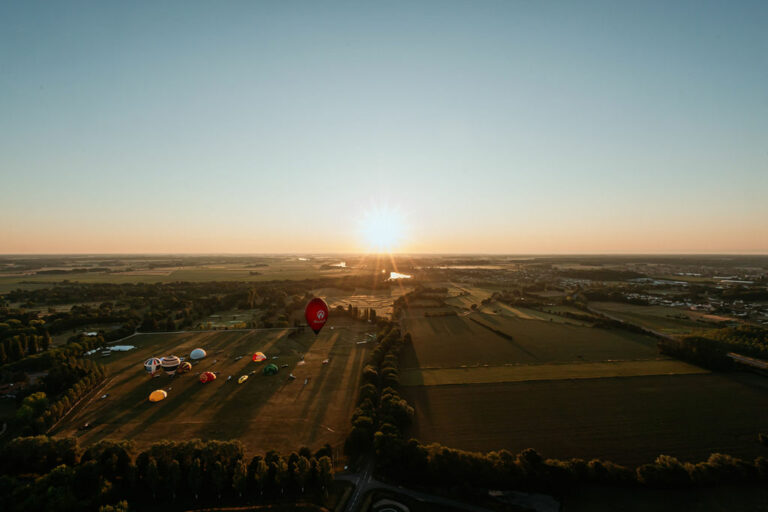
(258,357)
(184,367)
(270,369)
(152,365)
(157,395)
(170,364)
(316,314)
(196,354)
(206,377)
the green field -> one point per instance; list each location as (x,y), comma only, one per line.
(479,338)
(276,269)
(664,319)
(264,412)
(628,420)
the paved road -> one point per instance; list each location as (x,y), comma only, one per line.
(365,482)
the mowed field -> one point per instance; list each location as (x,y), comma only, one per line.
(628,420)
(265,412)
(480,339)
(506,378)
(664,319)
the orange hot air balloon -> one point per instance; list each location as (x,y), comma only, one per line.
(157,395)
(316,314)
(258,357)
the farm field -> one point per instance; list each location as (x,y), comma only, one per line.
(628,420)
(264,412)
(479,338)
(499,308)
(552,371)
(659,318)
(381,300)
(276,269)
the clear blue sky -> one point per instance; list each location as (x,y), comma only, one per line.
(512,126)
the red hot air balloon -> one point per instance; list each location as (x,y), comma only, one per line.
(316,314)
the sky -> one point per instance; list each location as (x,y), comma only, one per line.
(518,127)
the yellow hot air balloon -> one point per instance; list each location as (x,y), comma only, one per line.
(157,395)
(242,379)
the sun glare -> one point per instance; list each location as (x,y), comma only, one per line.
(383,229)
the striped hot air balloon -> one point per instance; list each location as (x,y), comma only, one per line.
(206,377)
(184,367)
(152,365)
(258,357)
(170,364)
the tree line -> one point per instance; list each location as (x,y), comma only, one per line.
(41,473)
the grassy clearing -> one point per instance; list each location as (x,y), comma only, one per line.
(264,412)
(628,420)
(554,371)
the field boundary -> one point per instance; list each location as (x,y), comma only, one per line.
(542,372)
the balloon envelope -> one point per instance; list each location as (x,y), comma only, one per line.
(259,356)
(270,369)
(198,353)
(206,377)
(152,365)
(184,367)
(316,314)
(170,364)
(157,395)
(242,379)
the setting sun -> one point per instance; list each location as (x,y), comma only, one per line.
(383,229)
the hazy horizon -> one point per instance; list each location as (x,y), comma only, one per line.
(483,128)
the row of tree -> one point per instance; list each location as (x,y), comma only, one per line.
(380,411)
(41,473)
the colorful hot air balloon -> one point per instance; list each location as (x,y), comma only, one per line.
(196,354)
(271,369)
(184,367)
(316,314)
(258,357)
(157,395)
(170,364)
(152,365)
(242,379)
(206,377)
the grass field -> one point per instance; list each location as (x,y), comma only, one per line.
(264,412)
(449,342)
(629,420)
(552,371)
(659,318)
(277,269)
(499,308)
(381,300)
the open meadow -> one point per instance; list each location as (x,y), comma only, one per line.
(265,412)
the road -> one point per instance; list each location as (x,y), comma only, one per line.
(365,482)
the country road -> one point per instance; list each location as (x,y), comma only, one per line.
(365,482)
